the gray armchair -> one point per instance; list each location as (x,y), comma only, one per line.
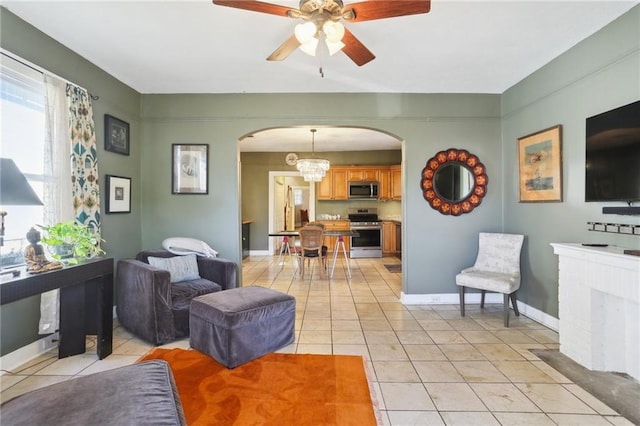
(156,310)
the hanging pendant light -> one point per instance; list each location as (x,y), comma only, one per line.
(312,169)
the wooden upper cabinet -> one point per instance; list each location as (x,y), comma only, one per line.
(333,186)
(395,176)
(384,187)
(364,174)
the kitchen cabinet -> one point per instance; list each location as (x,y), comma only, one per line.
(388,238)
(334,185)
(395,177)
(384,187)
(330,242)
(364,174)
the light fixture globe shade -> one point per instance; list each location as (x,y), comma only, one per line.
(334,47)
(334,31)
(305,32)
(310,47)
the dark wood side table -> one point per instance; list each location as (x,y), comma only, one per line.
(79,314)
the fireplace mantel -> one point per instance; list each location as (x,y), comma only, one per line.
(599,307)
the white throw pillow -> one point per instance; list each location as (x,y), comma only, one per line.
(181,268)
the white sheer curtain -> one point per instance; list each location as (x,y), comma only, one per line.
(57,188)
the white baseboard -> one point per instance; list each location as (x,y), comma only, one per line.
(259,253)
(26,353)
(454,299)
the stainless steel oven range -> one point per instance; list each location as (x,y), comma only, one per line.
(369,243)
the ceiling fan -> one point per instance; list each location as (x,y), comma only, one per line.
(322,32)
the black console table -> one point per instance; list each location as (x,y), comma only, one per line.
(83,310)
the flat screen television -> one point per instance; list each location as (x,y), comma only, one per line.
(613,155)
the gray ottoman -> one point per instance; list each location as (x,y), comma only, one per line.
(240,324)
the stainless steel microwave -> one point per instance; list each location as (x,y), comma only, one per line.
(360,190)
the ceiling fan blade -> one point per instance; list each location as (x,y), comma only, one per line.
(285,49)
(355,50)
(256,6)
(379,9)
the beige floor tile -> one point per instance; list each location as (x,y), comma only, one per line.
(476,336)
(345,325)
(406,396)
(553,398)
(437,372)
(376,325)
(29,384)
(522,372)
(593,402)
(479,372)
(387,352)
(378,337)
(618,421)
(68,366)
(426,315)
(463,418)
(414,337)
(461,352)
(395,371)
(306,348)
(435,325)
(454,397)
(524,349)
(543,336)
(503,397)
(37,363)
(109,363)
(404,324)
(348,337)
(316,324)
(322,337)
(424,353)
(524,419)
(361,350)
(513,336)
(443,337)
(498,352)
(551,372)
(408,418)
(579,420)
(133,347)
(464,324)
(8,380)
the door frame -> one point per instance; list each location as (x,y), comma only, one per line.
(312,202)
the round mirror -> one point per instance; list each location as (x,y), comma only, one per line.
(454,182)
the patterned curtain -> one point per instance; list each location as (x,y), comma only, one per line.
(84,159)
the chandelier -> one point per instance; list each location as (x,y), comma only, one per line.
(312,169)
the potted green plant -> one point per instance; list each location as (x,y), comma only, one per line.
(71,240)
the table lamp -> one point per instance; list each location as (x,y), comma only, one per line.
(14,191)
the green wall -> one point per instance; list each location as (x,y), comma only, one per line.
(599,74)
(122,232)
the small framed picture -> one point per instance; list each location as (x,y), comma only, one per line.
(540,166)
(116,135)
(190,163)
(118,194)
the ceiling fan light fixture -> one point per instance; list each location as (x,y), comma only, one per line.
(310,47)
(334,31)
(305,32)
(334,47)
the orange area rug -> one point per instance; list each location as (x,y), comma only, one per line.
(276,389)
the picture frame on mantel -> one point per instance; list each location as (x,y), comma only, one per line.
(116,135)
(540,166)
(190,169)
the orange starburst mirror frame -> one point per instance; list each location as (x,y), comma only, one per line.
(454,182)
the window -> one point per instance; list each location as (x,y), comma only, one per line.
(22,109)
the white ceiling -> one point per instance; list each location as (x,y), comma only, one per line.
(194,46)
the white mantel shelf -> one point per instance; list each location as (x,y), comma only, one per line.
(599,307)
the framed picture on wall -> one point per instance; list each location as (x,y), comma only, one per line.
(118,194)
(540,166)
(116,135)
(190,164)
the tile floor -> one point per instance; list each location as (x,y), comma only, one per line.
(428,365)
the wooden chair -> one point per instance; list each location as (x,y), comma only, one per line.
(497,269)
(311,238)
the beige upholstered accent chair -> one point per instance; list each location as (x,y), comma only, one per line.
(497,269)
(311,238)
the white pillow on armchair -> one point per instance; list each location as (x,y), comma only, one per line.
(182,246)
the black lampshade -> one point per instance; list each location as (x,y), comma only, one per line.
(14,187)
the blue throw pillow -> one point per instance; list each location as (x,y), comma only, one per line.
(181,268)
